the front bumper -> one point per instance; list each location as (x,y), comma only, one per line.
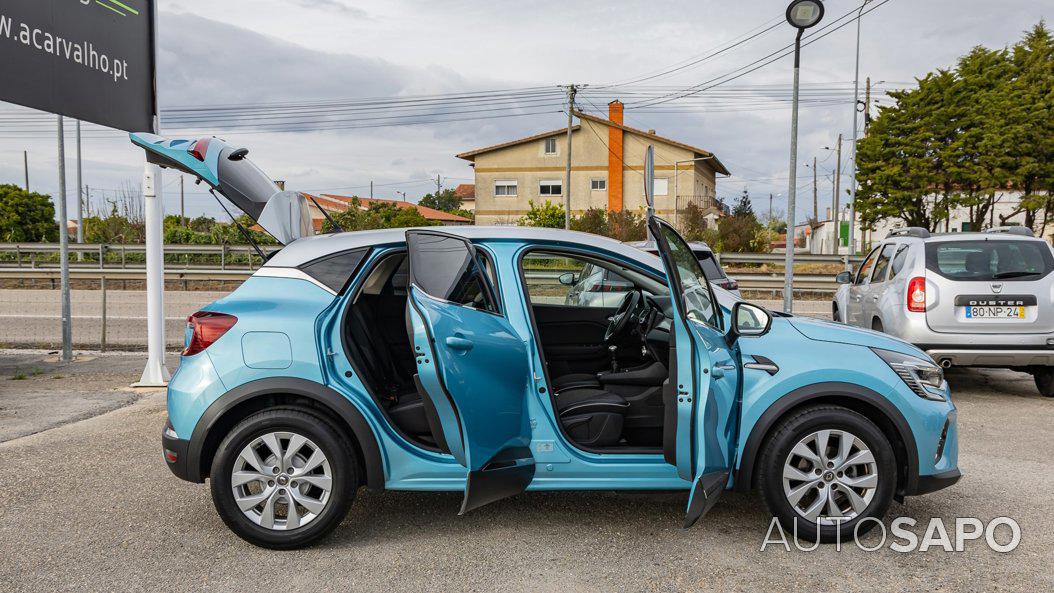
(927,484)
(174,450)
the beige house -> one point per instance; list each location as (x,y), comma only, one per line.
(607,171)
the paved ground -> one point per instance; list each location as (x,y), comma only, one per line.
(31,318)
(91,506)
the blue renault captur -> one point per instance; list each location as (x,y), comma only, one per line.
(448,359)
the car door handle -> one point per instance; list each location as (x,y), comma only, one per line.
(456,343)
(874,298)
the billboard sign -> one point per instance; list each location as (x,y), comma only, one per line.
(88,59)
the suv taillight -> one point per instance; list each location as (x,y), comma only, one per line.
(205,328)
(917,294)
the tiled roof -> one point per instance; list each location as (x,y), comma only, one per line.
(465,191)
(336,203)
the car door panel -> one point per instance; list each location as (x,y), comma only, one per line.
(704,378)
(473,372)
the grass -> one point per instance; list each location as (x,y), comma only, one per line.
(19,377)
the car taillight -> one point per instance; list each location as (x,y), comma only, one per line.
(205,328)
(917,294)
(199,149)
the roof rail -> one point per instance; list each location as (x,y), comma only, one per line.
(911,231)
(1024,231)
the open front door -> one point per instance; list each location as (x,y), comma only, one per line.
(701,396)
(473,370)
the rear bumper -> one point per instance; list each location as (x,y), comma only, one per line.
(927,484)
(999,356)
(174,450)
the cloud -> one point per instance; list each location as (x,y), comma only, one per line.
(332,5)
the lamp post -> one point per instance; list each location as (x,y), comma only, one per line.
(801,14)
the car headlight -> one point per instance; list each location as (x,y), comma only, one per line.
(922,376)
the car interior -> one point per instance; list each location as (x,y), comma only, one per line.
(606,364)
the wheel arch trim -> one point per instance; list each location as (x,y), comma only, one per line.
(826,392)
(344,410)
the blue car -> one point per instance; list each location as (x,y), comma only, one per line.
(441,359)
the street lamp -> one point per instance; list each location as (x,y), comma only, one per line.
(801,14)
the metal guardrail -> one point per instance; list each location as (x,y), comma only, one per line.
(29,268)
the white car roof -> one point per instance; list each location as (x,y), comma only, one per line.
(310,248)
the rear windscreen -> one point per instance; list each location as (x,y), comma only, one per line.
(982,260)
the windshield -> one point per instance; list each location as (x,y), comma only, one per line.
(982,260)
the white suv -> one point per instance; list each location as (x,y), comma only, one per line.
(968,299)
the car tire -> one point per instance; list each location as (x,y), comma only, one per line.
(834,312)
(876,325)
(316,511)
(834,484)
(1044,377)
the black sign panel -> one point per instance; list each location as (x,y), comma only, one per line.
(995,300)
(88,59)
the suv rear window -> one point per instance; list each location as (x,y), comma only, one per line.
(982,260)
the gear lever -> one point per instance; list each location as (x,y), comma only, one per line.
(613,351)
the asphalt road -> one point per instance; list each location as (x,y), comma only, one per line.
(31,318)
(91,506)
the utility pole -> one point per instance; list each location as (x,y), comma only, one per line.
(371,189)
(856,114)
(867,104)
(64,250)
(835,196)
(182,208)
(25,166)
(815,200)
(80,202)
(770,206)
(571,91)
(439,185)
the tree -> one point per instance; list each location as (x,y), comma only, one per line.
(964,137)
(380,215)
(547,215)
(743,206)
(446,200)
(26,216)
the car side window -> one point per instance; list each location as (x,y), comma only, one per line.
(865,268)
(447,268)
(899,260)
(882,263)
(563,279)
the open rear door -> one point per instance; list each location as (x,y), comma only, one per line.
(283,214)
(701,395)
(473,369)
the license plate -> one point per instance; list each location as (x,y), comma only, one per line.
(995,312)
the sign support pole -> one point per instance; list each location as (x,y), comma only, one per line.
(156,373)
(64,251)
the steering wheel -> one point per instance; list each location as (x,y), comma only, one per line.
(620,320)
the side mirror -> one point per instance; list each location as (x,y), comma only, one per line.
(567,278)
(749,320)
(844,278)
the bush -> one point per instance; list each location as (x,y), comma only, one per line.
(26,216)
(547,215)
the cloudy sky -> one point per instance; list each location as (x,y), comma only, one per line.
(263,51)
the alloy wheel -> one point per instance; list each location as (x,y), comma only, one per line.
(830,476)
(281,480)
